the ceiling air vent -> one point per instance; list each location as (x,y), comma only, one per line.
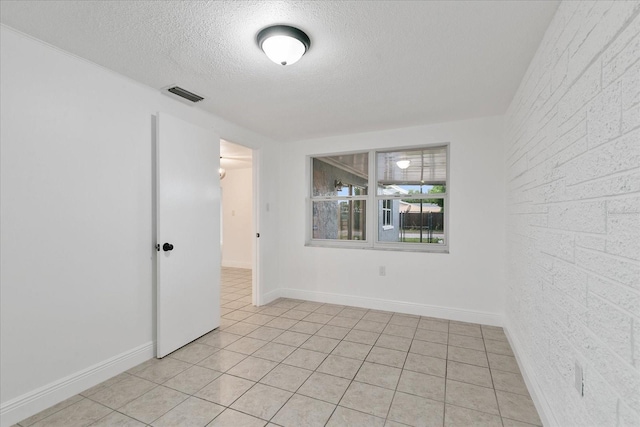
(190,96)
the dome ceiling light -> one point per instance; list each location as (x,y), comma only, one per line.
(283,44)
(403,164)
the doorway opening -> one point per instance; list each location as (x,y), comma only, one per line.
(237,229)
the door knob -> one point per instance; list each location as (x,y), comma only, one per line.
(167,247)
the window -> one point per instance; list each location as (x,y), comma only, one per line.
(407,211)
(339,197)
(387,222)
(413,181)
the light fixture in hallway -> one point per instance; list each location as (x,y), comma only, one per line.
(222,171)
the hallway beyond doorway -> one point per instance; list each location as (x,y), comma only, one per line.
(235,290)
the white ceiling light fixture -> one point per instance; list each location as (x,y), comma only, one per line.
(283,44)
(403,164)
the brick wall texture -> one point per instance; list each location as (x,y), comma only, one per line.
(572,148)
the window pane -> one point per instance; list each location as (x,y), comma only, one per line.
(344,175)
(414,221)
(404,190)
(387,213)
(339,220)
(414,168)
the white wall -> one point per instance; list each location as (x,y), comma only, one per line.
(76,243)
(237,218)
(573,177)
(466,284)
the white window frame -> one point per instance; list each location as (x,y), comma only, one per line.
(357,244)
(371,206)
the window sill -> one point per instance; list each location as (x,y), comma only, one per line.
(380,247)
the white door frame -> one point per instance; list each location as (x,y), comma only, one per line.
(256,267)
(256,270)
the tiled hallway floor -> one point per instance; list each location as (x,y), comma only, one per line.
(296,363)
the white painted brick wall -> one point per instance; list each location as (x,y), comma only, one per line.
(573,200)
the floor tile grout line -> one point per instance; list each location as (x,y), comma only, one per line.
(125,404)
(112,411)
(388,322)
(223,373)
(292,394)
(386,418)
(356,317)
(320,364)
(446,376)
(296,391)
(495,393)
(379,335)
(166,412)
(242,394)
(356,374)
(53,413)
(276,387)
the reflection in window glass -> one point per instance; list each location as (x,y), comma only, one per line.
(414,167)
(339,220)
(344,175)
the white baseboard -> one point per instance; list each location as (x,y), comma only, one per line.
(16,410)
(237,264)
(270,296)
(462,315)
(543,407)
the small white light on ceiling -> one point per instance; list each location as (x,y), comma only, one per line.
(283,44)
(403,164)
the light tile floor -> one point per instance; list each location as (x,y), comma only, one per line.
(298,363)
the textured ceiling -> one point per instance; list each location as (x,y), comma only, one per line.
(372,65)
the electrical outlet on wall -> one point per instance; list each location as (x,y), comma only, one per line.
(579,378)
(383,270)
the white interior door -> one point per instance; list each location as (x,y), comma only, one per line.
(188,232)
